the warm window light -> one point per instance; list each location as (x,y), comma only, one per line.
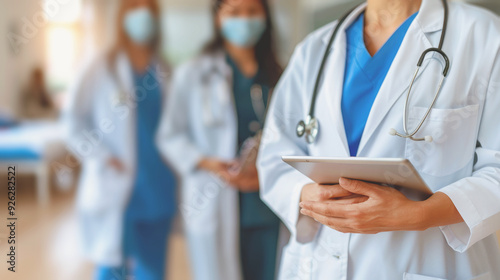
(62,39)
(61,55)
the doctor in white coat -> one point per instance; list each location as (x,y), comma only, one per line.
(381,234)
(126,199)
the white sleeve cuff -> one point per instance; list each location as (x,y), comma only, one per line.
(463,235)
(304,227)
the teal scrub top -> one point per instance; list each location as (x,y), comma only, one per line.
(364,76)
(154,194)
(253,212)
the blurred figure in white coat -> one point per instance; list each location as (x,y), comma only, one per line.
(218,107)
(126,200)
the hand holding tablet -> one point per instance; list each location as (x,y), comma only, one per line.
(386,171)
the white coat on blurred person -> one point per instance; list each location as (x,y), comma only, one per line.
(207,122)
(103,190)
(102,124)
(208,205)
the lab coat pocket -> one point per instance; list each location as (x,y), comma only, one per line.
(295,267)
(411,276)
(454,133)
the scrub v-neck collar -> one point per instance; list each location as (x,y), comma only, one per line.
(369,63)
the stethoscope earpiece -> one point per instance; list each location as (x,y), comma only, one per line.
(394,132)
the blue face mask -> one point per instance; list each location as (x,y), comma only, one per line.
(243,32)
(140,26)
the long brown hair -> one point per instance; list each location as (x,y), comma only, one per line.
(265,51)
(122,39)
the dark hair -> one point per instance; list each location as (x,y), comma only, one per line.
(265,52)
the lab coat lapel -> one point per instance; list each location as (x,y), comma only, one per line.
(217,83)
(123,68)
(226,100)
(333,87)
(333,79)
(221,66)
(127,126)
(397,81)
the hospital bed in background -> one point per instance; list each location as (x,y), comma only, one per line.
(31,147)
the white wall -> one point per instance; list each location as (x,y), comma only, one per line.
(18,59)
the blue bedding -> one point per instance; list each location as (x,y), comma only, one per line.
(6,122)
(28,140)
(18,154)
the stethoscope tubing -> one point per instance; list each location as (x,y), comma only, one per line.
(310,127)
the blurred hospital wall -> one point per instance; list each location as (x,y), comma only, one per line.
(33,36)
(16,61)
(59,36)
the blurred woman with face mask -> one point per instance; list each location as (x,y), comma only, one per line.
(212,130)
(126,200)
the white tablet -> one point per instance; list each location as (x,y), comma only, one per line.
(387,171)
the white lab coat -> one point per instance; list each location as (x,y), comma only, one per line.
(467,110)
(201,122)
(101,118)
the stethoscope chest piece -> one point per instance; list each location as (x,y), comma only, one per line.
(309,129)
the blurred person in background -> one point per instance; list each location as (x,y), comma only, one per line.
(36,102)
(126,200)
(217,109)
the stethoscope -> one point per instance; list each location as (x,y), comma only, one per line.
(310,127)
(210,113)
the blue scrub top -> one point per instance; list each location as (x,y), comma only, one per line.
(253,212)
(364,76)
(154,194)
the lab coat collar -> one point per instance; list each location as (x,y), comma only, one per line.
(349,20)
(430,17)
(396,84)
(215,63)
(332,88)
(124,72)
